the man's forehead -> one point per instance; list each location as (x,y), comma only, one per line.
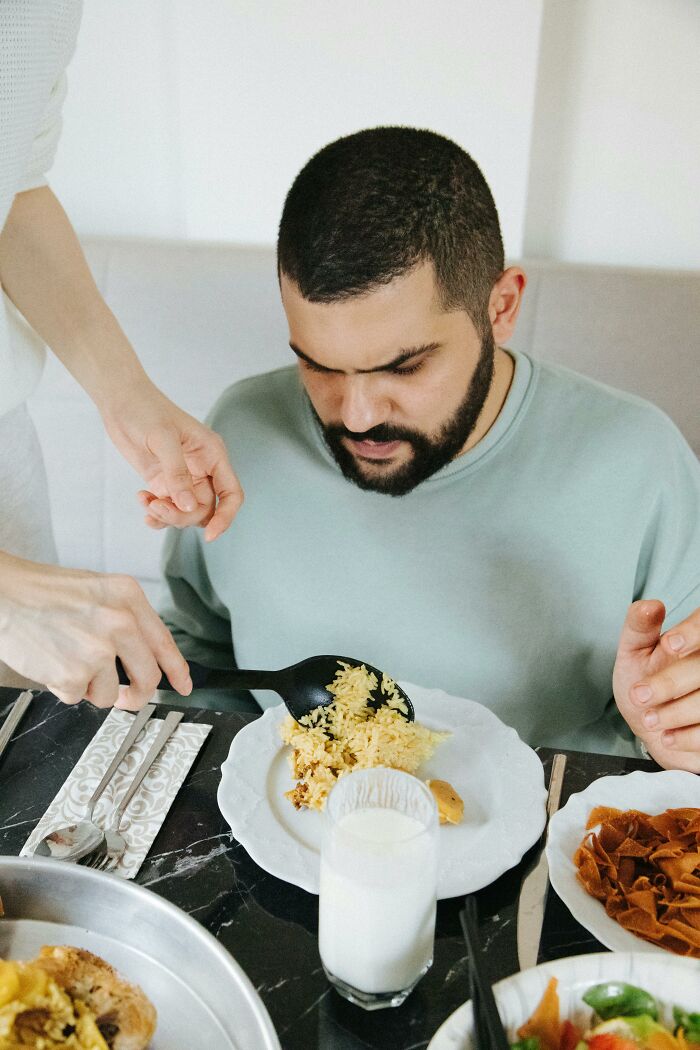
(368,331)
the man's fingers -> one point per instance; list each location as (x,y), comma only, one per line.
(167,448)
(675,714)
(684,638)
(153,523)
(642,628)
(677,679)
(167,514)
(678,748)
(103,690)
(229,495)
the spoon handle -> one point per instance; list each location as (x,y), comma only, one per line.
(240,679)
(168,727)
(138,724)
(15,716)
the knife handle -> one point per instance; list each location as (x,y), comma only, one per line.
(556,781)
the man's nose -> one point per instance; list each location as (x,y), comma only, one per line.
(361,407)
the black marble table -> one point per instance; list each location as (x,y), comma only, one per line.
(269,926)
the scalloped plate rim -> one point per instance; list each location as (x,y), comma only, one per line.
(242,796)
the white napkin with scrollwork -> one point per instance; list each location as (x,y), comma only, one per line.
(149,806)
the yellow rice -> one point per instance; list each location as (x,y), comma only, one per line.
(348,734)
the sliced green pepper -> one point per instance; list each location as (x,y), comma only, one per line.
(531,1043)
(690,1023)
(617,999)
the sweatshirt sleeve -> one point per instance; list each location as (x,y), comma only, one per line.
(199,622)
(46,139)
(669,565)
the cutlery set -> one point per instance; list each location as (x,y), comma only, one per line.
(85,841)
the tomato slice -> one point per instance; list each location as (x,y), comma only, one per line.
(609,1041)
(570,1036)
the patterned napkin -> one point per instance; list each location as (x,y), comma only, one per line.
(147,809)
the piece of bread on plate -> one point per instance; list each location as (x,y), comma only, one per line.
(125,1016)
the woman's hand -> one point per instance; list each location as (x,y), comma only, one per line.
(65,628)
(183,463)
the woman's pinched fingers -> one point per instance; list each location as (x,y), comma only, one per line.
(162,512)
(166,446)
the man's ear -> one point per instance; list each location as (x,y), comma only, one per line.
(504,303)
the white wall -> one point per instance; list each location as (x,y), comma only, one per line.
(616,134)
(190,118)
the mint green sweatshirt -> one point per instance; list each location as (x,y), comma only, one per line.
(505,577)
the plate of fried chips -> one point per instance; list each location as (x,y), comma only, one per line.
(624,856)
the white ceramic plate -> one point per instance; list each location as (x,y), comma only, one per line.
(649,792)
(499,777)
(672,981)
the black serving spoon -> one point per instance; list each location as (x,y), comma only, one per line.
(303,686)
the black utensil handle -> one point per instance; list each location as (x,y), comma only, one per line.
(486,1015)
(204,676)
(480,1036)
(238,679)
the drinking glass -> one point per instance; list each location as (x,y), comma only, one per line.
(378,886)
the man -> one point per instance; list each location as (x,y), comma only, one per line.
(65,627)
(454,513)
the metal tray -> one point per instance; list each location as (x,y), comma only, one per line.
(202,996)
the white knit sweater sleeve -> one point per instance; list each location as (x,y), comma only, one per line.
(46,139)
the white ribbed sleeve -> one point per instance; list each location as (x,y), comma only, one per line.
(45,142)
(37,40)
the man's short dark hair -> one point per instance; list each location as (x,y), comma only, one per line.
(370,206)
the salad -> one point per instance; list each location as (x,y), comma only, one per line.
(626,1018)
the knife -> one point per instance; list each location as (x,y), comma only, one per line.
(533,889)
(15,716)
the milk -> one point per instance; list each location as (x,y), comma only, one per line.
(377,900)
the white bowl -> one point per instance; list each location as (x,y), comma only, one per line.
(673,981)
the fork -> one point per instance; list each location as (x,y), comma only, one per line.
(107,855)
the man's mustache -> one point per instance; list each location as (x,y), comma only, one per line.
(382,432)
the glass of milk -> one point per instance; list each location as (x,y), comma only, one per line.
(378,886)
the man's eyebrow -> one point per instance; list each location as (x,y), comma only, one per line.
(400,359)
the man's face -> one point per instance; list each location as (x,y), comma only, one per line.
(396,383)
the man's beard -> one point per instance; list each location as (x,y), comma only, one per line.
(430,454)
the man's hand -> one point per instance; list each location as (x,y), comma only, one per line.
(65,628)
(183,462)
(656,683)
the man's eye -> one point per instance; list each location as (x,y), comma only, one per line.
(408,370)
